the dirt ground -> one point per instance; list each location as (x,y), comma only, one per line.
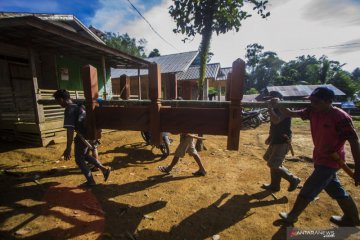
(40,199)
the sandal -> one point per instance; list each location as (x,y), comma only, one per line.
(163,169)
(199,173)
(106,174)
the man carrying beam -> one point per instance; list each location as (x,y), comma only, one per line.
(330,128)
(279,141)
(74,120)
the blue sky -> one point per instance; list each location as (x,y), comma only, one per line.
(295,27)
(82,9)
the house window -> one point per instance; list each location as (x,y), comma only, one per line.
(64,74)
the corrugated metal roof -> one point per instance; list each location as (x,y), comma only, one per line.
(171,63)
(67,21)
(250,98)
(54,38)
(223,73)
(193,73)
(301,90)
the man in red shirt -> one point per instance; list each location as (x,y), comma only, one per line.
(330,128)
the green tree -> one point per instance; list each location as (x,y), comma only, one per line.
(208,16)
(154,53)
(343,81)
(328,69)
(267,70)
(252,91)
(355,75)
(252,57)
(305,69)
(125,43)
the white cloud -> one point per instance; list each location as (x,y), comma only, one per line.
(113,15)
(292,30)
(337,12)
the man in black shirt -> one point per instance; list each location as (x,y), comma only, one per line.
(279,142)
(74,120)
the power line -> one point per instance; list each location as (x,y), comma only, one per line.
(152,28)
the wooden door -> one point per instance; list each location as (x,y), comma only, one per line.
(22,90)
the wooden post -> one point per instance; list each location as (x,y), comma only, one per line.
(154,95)
(227,87)
(124,87)
(206,89)
(39,110)
(172,86)
(236,95)
(139,84)
(104,76)
(90,85)
(219,90)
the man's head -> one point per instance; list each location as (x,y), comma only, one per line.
(62,97)
(321,98)
(273,94)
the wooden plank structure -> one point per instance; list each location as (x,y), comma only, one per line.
(33,53)
(198,117)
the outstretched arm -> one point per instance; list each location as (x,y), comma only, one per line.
(195,136)
(285,111)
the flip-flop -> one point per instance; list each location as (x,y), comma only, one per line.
(106,174)
(199,174)
(163,169)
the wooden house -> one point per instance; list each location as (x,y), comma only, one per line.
(220,82)
(40,53)
(187,81)
(170,66)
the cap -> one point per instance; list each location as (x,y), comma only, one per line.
(273,94)
(323,93)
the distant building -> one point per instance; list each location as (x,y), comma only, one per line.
(170,66)
(298,92)
(187,81)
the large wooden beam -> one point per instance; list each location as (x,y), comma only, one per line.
(194,120)
(90,85)
(236,95)
(123,118)
(154,95)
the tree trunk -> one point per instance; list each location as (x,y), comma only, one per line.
(204,51)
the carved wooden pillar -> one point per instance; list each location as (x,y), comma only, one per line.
(154,95)
(124,87)
(90,85)
(236,95)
